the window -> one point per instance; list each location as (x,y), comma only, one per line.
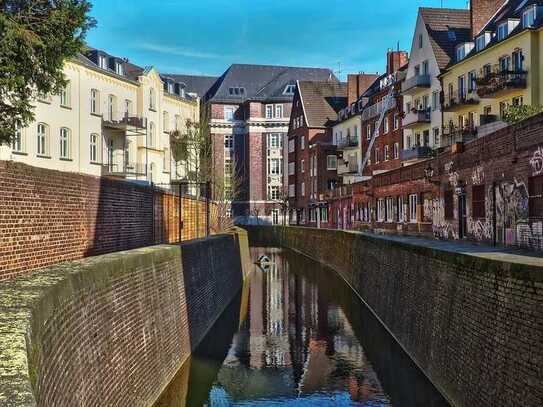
(518,61)
(460,52)
(400,214)
(505,63)
(229,113)
(436,137)
(65,93)
(449,204)
(152,134)
(95,101)
(381,210)
(528,17)
(487,70)
(152,99)
(462,87)
(102,62)
(269,111)
(502,31)
(274,166)
(386,153)
(385,125)
(355,132)
(128,107)
(303,188)
(368,132)
(396,151)
(111,102)
(42,142)
(273,193)
(278,111)
(17,141)
(377,155)
(119,68)
(478,201)
(417,70)
(302,166)
(228,141)
(291,191)
(396,121)
(291,145)
(390,210)
(420,41)
(236,91)
(435,101)
(302,142)
(291,168)
(409,142)
(289,90)
(324,215)
(275,140)
(165,121)
(425,68)
(331,162)
(413,201)
(480,42)
(166,160)
(535,191)
(472,81)
(94,148)
(64,143)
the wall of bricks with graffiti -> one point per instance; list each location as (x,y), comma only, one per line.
(489,191)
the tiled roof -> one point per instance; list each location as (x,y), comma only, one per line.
(322,101)
(198,85)
(446,28)
(263,82)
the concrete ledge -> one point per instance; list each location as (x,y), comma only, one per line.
(471,317)
(112,329)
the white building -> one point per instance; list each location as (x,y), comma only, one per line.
(346,136)
(113,118)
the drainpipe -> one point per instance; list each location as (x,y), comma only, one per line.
(494,215)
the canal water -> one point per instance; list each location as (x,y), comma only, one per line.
(298,336)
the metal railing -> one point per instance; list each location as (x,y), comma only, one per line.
(120,169)
(416,116)
(458,98)
(348,142)
(418,81)
(492,83)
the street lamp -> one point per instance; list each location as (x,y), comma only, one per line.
(429,175)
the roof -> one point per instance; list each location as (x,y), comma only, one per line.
(196,84)
(263,82)
(440,24)
(322,101)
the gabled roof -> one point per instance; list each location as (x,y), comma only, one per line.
(446,28)
(196,84)
(322,101)
(263,82)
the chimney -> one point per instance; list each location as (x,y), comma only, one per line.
(396,60)
(481,12)
(357,84)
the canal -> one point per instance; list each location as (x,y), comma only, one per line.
(297,335)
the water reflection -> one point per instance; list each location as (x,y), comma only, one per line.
(301,338)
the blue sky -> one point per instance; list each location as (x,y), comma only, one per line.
(205,36)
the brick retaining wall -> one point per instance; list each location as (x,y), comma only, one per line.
(47,217)
(474,325)
(112,330)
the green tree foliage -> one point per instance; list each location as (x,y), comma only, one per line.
(36,37)
(515,114)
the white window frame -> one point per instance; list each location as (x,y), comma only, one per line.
(275,166)
(386,125)
(413,202)
(65,95)
(229,113)
(278,111)
(529,16)
(152,134)
(17,143)
(302,142)
(166,121)
(386,153)
(269,111)
(94,146)
(331,162)
(381,210)
(390,210)
(95,101)
(111,102)
(303,189)
(502,31)
(42,146)
(64,143)
(396,151)
(152,99)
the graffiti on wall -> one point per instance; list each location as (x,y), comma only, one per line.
(452,173)
(442,228)
(478,175)
(537,161)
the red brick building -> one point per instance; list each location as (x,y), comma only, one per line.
(248,111)
(312,159)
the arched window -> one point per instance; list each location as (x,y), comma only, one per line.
(152,101)
(152,135)
(64,143)
(95,101)
(42,139)
(94,147)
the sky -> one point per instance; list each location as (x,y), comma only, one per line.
(204,37)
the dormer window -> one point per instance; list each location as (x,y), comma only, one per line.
(502,31)
(236,91)
(102,61)
(451,35)
(462,50)
(119,68)
(289,90)
(170,87)
(482,41)
(528,16)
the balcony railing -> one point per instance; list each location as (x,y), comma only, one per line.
(125,121)
(416,153)
(453,134)
(376,109)
(498,82)
(487,119)
(348,142)
(458,99)
(121,170)
(414,83)
(415,117)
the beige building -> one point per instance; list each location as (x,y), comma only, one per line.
(113,118)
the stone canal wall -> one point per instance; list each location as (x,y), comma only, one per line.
(113,330)
(471,318)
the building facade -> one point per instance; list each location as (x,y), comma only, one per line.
(248,111)
(112,119)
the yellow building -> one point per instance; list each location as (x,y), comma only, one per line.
(113,118)
(499,68)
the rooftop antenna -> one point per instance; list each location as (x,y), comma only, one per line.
(339,70)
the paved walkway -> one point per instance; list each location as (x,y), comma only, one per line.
(508,255)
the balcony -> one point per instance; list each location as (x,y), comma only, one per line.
(416,117)
(125,122)
(120,170)
(416,83)
(416,153)
(347,142)
(498,83)
(348,168)
(456,100)
(452,135)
